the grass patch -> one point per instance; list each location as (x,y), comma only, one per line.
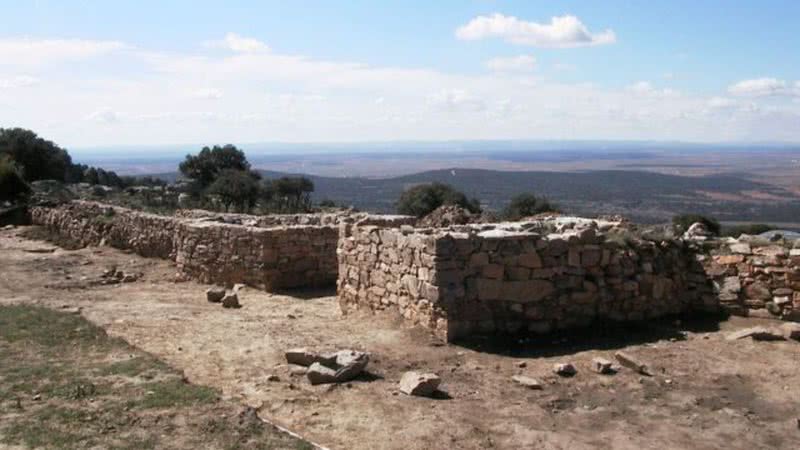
(63,386)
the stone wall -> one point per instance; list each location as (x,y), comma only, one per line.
(757,278)
(276,220)
(459,283)
(267,257)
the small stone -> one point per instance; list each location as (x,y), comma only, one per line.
(602,366)
(565,369)
(527,382)
(756,333)
(319,374)
(522,364)
(231,300)
(630,362)
(301,357)
(296,371)
(419,384)
(215,294)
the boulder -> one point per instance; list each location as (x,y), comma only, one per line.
(231,300)
(319,374)
(527,382)
(215,294)
(301,357)
(338,367)
(565,369)
(420,384)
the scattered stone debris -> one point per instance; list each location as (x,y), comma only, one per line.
(630,362)
(446,215)
(419,384)
(337,367)
(114,276)
(602,366)
(231,300)
(527,382)
(9,227)
(757,334)
(215,294)
(565,369)
(296,371)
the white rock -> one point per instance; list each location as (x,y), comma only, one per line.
(528,382)
(420,384)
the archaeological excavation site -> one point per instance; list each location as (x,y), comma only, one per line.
(356,330)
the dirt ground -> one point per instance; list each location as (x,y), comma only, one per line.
(706,392)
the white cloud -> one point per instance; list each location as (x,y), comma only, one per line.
(562,32)
(18,81)
(33,52)
(104,115)
(240,44)
(456,100)
(521,63)
(646,88)
(722,103)
(764,87)
(207,94)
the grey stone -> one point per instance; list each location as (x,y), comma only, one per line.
(602,366)
(527,382)
(319,374)
(756,333)
(791,331)
(419,384)
(215,294)
(632,363)
(231,300)
(565,369)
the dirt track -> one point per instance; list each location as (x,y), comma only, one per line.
(707,392)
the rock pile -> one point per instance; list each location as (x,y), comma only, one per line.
(336,367)
(445,216)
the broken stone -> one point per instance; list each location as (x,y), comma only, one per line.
(602,366)
(301,357)
(419,384)
(756,333)
(319,374)
(565,369)
(630,362)
(741,248)
(527,382)
(297,370)
(344,366)
(231,300)
(215,294)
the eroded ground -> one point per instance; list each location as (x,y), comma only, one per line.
(707,392)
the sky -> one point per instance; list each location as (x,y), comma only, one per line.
(103,73)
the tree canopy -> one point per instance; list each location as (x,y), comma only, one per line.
(422,199)
(12,185)
(524,205)
(37,158)
(288,194)
(237,188)
(206,166)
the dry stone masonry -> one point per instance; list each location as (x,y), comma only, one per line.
(510,279)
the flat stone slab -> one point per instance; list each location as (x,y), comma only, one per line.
(528,382)
(419,384)
(757,334)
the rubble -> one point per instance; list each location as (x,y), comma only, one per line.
(632,363)
(419,384)
(337,367)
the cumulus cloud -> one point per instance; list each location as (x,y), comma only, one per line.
(104,115)
(521,63)
(240,44)
(18,81)
(647,88)
(456,100)
(763,87)
(562,32)
(26,51)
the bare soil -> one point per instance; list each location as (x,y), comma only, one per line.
(705,392)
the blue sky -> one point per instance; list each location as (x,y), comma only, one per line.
(87,73)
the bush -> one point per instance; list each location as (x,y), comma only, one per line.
(288,195)
(237,188)
(12,185)
(207,165)
(753,229)
(422,199)
(682,222)
(525,205)
(36,158)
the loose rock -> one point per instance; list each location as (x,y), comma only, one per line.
(791,331)
(757,334)
(215,294)
(602,366)
(419,384)
(630,362)
(565,369)
(231,300)
(528,382)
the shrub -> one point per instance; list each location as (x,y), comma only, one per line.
(12,185)
(524,205)
(422,199)
(237,188)
(682,222)
(207,165)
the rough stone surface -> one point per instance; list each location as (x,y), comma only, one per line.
(757,334)
(627,360)
(791,331)
(215,294)
(565,369)
(419,384)
(602,366)
(231,300)
(528,382)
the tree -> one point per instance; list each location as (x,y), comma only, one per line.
(289,194)
(422,199)
(524,205)
(238,188)
(206,166)
(37,159)
(12,185)
(682,222)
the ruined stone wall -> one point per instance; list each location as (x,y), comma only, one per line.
(461,283)
(276,220)
(759,278)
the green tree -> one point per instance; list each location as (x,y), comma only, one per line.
(12,185)
(206,166)
(289,194)
(422,199)
(524,205)
(236,188)
(37,158)
(682,222)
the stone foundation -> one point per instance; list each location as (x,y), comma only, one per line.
(470,281)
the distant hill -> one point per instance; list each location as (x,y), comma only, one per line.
(642,196)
